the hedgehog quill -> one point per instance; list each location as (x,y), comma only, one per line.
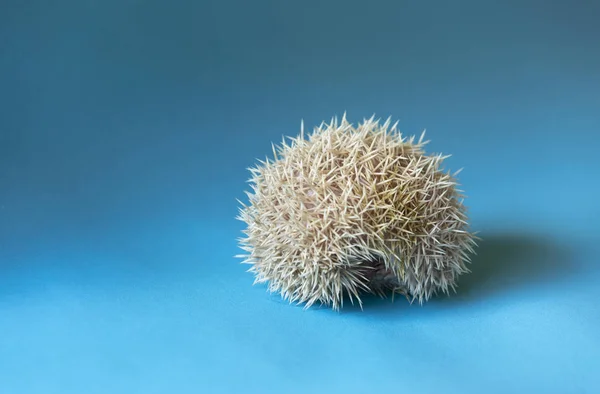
(352,210)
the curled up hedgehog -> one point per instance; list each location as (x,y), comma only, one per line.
(353,210)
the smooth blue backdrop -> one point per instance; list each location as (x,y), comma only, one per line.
(126,128)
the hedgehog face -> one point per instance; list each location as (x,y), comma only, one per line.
(353,210)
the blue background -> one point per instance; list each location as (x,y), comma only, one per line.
(126,129)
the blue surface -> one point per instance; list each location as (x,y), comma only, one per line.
(125,131)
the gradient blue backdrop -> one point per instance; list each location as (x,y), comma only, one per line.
(126,129)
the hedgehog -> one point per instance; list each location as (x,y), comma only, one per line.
(351,210)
